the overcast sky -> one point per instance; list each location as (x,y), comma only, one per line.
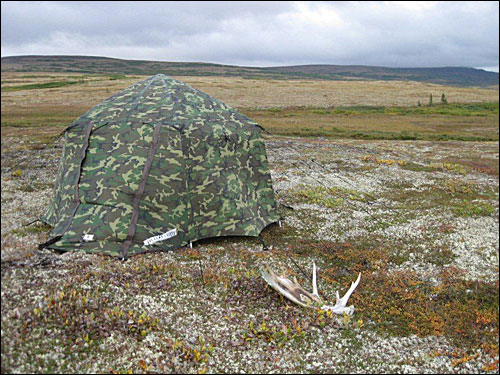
(396,34)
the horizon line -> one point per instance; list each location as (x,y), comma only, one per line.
(492,69)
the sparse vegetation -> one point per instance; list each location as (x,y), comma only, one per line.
(36,86)
(419,220)
(439,122)
(338,115)
(320,195)
(466,208)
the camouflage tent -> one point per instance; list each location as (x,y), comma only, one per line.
(157,166)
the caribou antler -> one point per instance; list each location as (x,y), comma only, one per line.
(295,293)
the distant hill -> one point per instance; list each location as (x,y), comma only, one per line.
(456,76)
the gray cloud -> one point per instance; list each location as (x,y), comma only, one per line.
(260,33)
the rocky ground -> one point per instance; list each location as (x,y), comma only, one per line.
(419,220)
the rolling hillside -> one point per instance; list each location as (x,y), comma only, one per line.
(456,76)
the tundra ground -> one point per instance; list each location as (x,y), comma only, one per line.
(419,219)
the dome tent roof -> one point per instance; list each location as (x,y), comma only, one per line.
(156,166)
(161,98)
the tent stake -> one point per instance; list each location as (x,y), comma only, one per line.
(264,246)
(200,265)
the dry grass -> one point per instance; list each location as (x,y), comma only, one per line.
(294,105)
(312,122)
(278,94)
(249,93)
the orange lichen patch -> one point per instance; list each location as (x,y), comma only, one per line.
(490,367)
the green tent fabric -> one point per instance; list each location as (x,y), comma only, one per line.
(155,167)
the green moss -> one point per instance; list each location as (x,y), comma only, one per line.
(36,86)
(331,197)
(318,195)
(456,109)
(31,229)
(411,166)
(467,208)
(335,132)
(115,77)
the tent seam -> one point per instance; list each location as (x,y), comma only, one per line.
(140,191)
(77,189)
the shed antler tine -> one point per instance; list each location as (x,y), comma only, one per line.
(295,293)
(343,300)
(315,286)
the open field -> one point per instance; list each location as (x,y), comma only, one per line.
(249,93)
(336,109)
(477,121)
(418,218)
